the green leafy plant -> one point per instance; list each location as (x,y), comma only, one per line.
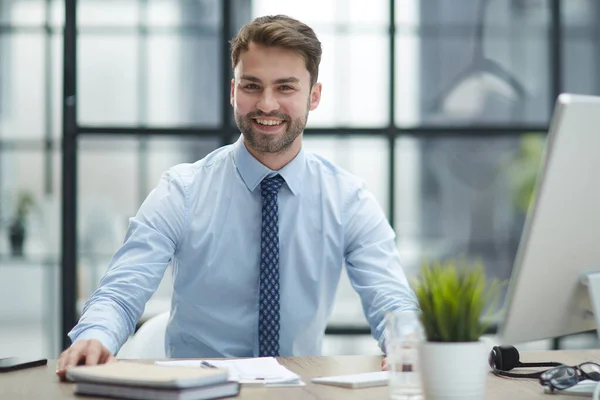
(524,170)
(17,228)
(453,297)
(25,203)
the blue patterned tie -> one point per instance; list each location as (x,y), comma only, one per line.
(268,316)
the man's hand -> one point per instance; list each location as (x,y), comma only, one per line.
(384,366)
(88,352)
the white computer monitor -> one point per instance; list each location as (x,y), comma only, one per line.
(561,236)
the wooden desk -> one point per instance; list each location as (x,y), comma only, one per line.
(42,383)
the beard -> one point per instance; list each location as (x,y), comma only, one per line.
(263,143)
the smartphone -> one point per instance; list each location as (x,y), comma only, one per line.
(16,363)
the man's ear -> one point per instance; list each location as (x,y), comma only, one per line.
(315,96)
(232,95)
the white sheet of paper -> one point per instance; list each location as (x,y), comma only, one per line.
(262,371)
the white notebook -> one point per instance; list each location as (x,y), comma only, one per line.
(147,375)
(354,381)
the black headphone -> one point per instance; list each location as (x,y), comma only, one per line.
(505,358)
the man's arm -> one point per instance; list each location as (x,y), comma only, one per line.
(134,273)
(373,263)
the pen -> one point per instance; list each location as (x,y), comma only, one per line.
(206,364)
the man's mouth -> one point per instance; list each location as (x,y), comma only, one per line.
(268,122)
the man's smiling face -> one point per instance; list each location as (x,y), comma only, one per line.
(271,96)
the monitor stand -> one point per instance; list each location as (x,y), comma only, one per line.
(592,281)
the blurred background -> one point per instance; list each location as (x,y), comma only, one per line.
(441,106)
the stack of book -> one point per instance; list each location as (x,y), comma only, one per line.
(131,380)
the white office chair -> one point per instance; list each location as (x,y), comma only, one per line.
(149,340)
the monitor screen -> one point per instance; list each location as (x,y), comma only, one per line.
(561,235)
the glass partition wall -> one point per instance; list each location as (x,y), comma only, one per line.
(440,106)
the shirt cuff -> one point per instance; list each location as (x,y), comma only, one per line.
(102,336)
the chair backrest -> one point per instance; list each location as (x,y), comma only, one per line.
(149,340)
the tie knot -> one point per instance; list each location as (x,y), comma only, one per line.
(271,185)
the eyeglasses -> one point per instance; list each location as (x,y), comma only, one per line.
(564,376)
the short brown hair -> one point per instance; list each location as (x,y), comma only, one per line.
(280,31)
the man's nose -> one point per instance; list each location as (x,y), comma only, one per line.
(267,102)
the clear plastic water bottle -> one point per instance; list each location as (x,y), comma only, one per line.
(404,333)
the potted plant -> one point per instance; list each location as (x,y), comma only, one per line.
(17,228)
(453,297)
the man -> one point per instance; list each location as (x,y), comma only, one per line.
(257,232)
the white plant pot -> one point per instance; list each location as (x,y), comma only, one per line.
(451,371)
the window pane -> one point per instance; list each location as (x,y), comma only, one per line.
(22,12)
(301,10)
(464,197)
(581,50)
(161,79)
(184,81)
(506,82)
(57,13)
(359,12)
(170,13)
(108,13)
(55,73)
(107,191)
(107,78)
(408,80)
(407,13)
(355,12)
(22,101)
(31,89)
(355,89)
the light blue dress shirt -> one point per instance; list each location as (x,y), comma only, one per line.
(205,219)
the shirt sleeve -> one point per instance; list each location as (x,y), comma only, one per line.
(373,262)
(138,266)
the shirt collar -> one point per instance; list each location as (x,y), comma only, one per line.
(253,172)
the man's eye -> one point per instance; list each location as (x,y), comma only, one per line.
(251,86)
(286,88)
